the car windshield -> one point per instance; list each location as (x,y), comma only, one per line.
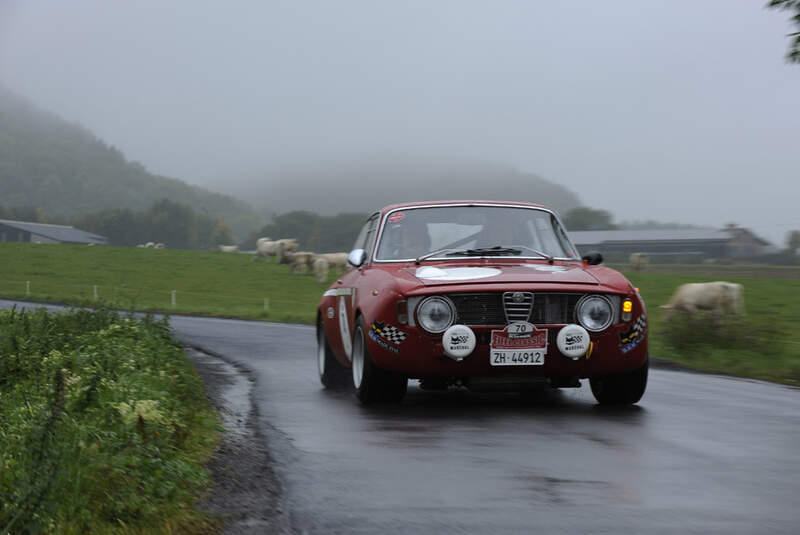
(472,231)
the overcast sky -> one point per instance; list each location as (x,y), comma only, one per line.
(675,110)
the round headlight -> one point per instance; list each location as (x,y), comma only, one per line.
(594,312)
(435,314)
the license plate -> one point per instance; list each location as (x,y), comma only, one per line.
(518,344)
(517,358)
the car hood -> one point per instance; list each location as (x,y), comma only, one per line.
(432,275)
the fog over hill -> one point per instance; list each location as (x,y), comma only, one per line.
(369,182)
(66,170)
(63,168)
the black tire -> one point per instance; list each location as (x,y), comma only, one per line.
(622,388)
(331,374)
(373,384)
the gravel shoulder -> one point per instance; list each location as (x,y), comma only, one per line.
(246,494)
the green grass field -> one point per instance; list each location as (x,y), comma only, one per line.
(764,344)
(207,283)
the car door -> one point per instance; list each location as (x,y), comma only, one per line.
(345,292)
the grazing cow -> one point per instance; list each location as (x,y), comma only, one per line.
(229,248)
(720,298)
(159,246)
(321,268)
(638,261)
(300,261)
(266,247)
(149,245)
(336,261)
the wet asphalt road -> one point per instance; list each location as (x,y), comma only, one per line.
(700,454)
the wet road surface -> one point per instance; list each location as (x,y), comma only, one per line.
(699,454)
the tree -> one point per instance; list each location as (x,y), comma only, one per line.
(174,224)
(33,214)
(222,234)
(584,218)
(793,56)
(793,241)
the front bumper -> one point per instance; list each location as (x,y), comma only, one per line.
(422,355)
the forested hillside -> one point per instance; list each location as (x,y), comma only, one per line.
(65,170)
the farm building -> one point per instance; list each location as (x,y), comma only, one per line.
(23,231)
(674,245)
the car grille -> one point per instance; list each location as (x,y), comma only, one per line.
(546,308)
(517,305)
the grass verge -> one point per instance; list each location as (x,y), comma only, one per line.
(104,426)
(763,344)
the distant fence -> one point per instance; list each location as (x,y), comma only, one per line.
(123,296)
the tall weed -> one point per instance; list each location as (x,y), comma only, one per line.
(103,423)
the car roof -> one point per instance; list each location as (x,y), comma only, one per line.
(391,207)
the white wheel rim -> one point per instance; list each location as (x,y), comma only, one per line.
(358,357)
(321,352)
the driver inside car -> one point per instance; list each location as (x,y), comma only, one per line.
(409,239)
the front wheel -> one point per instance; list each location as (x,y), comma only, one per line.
(372,383)
(622,388)
(331,373)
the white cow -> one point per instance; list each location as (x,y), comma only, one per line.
(229,248)
(300,261)
(321,266)
(719,297)
(266,247)
(159,246)
(638,261)
(336,261)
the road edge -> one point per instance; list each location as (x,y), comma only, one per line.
(246,494)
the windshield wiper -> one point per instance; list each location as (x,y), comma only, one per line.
(498,250)
(432,253)
(487,251)
(535,251)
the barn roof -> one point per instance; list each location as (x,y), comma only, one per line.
(60,233)
(591,237)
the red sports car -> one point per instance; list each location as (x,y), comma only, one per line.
(482,294)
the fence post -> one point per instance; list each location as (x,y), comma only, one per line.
(266,304)
(173,297)
(27,287)
(95,292)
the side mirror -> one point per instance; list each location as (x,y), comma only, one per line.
(357,257)
(592,258)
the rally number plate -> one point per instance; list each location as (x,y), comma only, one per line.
(518,344)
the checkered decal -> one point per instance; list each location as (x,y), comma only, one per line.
(389,332)
(640,325)
(636,332)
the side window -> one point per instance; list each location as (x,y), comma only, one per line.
(367,235)
(566,246)
(371,227)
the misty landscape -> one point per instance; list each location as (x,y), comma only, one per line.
(220,313)
(289,114)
